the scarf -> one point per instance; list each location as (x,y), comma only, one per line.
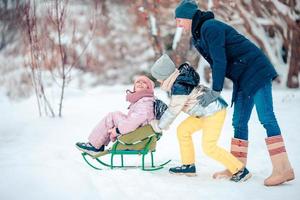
(168,83)
(133,97)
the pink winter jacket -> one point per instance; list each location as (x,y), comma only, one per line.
(140,113)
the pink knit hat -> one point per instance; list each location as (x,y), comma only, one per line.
(147,80)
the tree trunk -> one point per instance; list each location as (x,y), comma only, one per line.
(293,74)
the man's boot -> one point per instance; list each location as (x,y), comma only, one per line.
(282,169)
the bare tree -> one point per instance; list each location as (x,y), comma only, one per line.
(57,14)
(36,56)
(150,12)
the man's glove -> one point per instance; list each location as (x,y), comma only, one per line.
(208,97)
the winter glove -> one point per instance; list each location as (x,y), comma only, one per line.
(113,134)
(154,124)
(208,97)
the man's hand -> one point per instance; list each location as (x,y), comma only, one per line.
(154,124)
(208,97)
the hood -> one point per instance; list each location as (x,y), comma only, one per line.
(188,75)
(199,18)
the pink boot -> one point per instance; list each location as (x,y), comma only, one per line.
(239,148)
(282,169)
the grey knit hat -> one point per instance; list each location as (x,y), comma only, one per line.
(163,68)
(186,9)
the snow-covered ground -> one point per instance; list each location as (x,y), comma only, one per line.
(39,159)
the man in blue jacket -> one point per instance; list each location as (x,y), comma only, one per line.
(232,55)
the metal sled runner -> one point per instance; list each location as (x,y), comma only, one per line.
(140,142)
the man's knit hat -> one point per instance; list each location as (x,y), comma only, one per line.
(186,9)
(163,68)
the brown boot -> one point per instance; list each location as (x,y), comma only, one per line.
(239,149)
(282,169)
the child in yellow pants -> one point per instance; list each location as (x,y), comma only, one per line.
(185,92)
(211,127)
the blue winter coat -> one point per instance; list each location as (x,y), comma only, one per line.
(230,55)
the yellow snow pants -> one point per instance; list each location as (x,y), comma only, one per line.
(211,127)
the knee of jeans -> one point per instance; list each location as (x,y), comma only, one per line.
(267,124)
(268,118)
(271,127)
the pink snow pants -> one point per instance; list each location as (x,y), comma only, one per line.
(100,136)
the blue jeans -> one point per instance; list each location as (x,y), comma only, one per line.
(264,107)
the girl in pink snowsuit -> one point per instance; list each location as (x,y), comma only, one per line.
(115,123)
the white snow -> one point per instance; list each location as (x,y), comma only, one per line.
(39,159)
